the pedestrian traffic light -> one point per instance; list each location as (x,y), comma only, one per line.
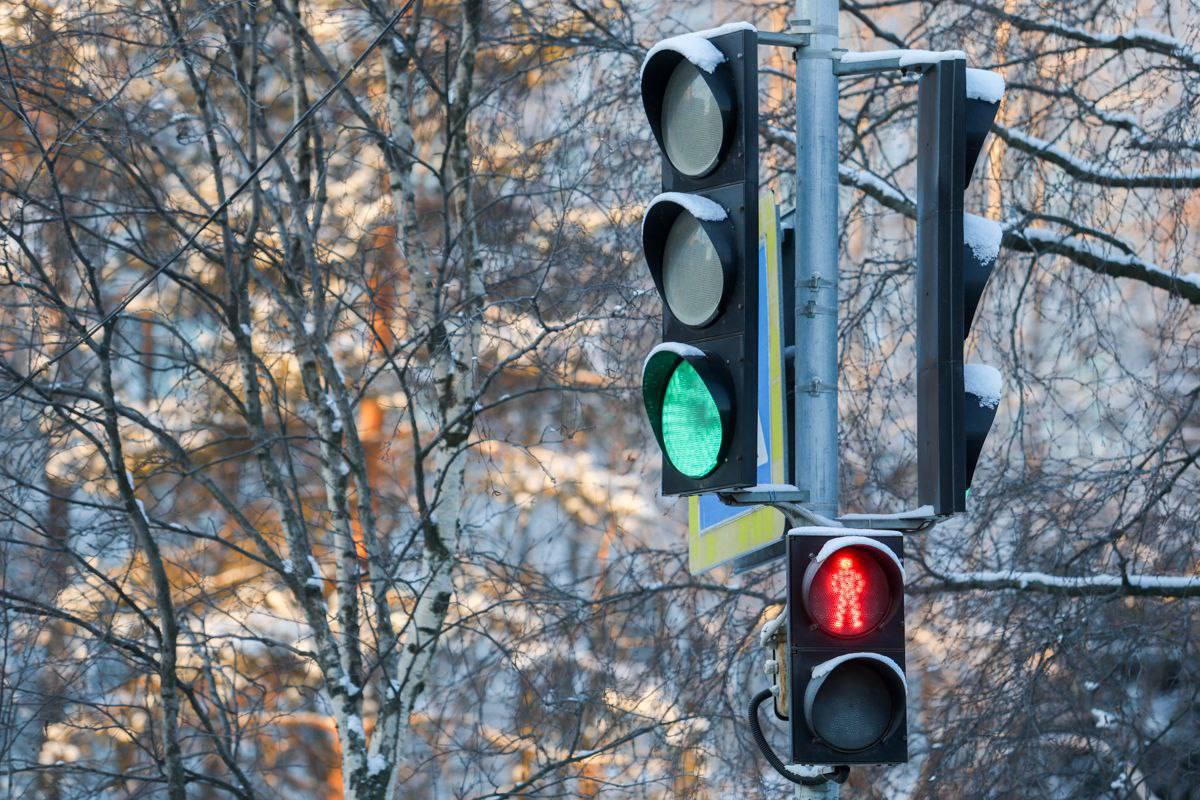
(956,253)
(846,646)
(700,238)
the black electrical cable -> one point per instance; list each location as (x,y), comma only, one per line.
(161,268)
(838,775)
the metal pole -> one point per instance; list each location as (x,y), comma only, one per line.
(828,791)
(816,273)
(817,255)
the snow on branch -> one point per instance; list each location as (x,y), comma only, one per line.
(1117,265)
(1136,39)
(1091,172)
(877,188)
(1139,137)
(1077,586)
(1040,241)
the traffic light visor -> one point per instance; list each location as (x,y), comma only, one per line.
(855,701)
(852,587)
(687,401)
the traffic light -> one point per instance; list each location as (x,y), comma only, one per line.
(956,253)
(700,238)
(846,646)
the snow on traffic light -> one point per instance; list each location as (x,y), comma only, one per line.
(700,239)
(956,253)
(846,645)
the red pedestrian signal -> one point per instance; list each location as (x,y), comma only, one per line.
(851,589)
(846,646)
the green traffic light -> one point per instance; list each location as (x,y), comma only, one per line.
(691,423)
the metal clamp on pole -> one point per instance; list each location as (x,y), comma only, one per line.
(784,499)
(799,34)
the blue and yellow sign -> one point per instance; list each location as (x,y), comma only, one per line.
(717,533)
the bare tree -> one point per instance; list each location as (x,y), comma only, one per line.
(354,498)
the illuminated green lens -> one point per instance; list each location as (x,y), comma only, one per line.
(691,423)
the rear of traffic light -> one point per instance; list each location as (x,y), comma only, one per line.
(700,237)
(956,253)
(846,646)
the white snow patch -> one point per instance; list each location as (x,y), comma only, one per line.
(808,770)
(699,207)
(868,180)
(677,348)
(1091,686)
(833,545)
(288,567)
(984,85)
(983,382)
(376,764)
(1104,719)
(906,58)
(916,513)
(826,530)
(823,669)
(1083,249)
(983,236)
(1026,579)
(1159,38)
(1093,170)
(696,47)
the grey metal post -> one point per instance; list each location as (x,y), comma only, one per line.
(817,255)
(816,468)
(829,791)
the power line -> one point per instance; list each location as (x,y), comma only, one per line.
(153,275)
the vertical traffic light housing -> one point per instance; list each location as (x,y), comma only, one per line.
(956,253)
(700,239)
(846,646)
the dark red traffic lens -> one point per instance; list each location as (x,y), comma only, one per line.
(850,594)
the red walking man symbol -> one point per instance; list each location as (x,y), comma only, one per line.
(847,585)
